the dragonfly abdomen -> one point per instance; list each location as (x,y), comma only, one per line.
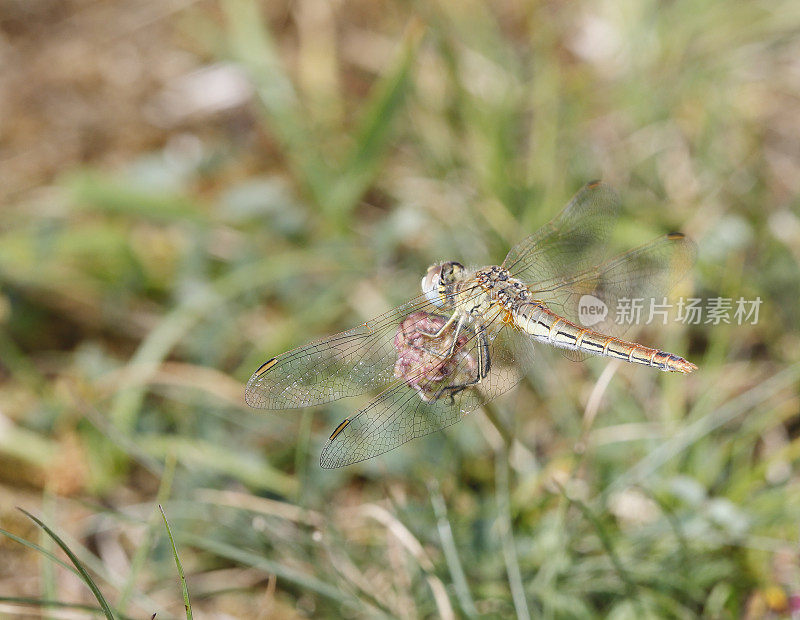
(536,320)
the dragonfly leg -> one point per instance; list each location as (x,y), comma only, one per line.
(443,328)
(456,334)
(459,327)
(484,366)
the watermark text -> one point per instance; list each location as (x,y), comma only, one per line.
(686,310)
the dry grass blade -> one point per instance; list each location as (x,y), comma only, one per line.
(413,546)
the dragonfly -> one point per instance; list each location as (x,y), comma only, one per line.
(470,335)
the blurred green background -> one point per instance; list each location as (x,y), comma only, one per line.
(189,188)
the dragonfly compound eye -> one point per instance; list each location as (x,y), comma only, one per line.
(439,279)
(451,272)
(430,283)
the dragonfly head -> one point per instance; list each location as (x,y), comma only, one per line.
(438,282)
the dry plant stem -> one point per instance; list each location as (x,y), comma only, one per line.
(492,416)
(268,601)
(415,548)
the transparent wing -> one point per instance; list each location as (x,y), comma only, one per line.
(345,364)
(627,289)
(422,402)
(572,242)
(563,265)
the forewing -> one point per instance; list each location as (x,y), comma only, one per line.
(345,364)
(400,413)
(628,285)
(575,240)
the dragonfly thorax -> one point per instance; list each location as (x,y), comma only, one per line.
(502,286)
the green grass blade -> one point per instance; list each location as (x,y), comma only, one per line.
(42,602)
(450,550)
(38,549)
(502,476)
(252,45)
(137,563)
(184,588)
(93,191)
(253,470)
(505,528)
(48,568)
(249,558)
(77,563)
(373,135)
